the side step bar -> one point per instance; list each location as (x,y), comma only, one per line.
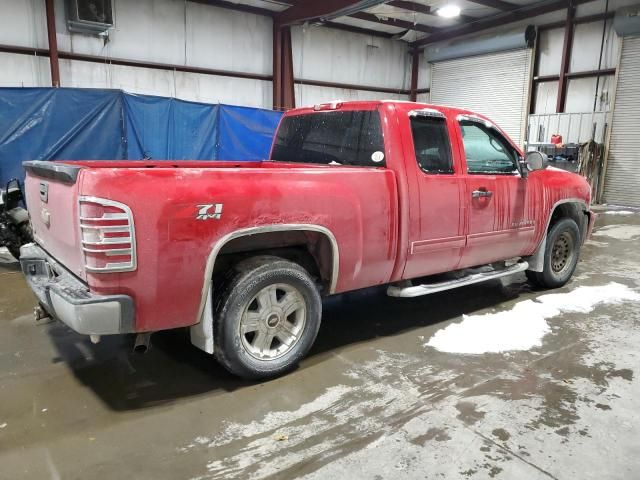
(426,289)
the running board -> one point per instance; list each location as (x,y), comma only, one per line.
(426,289)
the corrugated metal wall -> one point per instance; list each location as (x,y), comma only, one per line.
(495,85)
(622,181)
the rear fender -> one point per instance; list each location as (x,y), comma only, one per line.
(202,332)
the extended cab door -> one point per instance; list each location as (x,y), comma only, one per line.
(500,223)
(436,233)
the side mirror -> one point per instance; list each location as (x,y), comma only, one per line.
(533,161)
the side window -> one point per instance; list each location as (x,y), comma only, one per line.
(486,150)
(431,144)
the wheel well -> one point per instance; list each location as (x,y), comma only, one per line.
(312,250)
(573,210)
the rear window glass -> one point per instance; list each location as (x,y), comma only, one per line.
(337,137)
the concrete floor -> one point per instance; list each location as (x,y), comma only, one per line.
(371,401)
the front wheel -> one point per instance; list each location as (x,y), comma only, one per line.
(560,255)
(266,318)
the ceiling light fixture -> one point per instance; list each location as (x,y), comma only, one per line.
(448,11)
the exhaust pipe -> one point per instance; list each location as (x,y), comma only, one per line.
(142,343)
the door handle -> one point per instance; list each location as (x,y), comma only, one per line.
(481,193)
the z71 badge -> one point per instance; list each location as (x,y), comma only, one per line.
(209,211)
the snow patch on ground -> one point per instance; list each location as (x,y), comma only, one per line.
(524,326)
(619,212)
(593,243)
(621,232)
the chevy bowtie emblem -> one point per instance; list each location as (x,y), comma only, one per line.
(209,211)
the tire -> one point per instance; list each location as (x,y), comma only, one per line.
(561,255)
(266,318)
(14,250)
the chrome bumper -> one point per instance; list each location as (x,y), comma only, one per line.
(69,300)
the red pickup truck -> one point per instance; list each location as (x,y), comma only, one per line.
(355,194)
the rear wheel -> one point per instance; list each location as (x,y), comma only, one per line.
(560,256)
(267,317)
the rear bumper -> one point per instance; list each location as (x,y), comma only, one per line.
(69,300)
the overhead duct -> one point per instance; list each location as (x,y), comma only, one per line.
(511,40)
(627,20)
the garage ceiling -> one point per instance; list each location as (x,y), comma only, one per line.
(414,21)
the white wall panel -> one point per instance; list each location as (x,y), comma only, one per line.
(550,46)
(227,40)
(186,86)
(23,23)
(546,97)
(233,91)
(574,127)
(587,40)
(581,94)
(150,30)
(346,57)
(24,71)
(311,95)
(175,32)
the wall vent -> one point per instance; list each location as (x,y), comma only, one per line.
(89,16)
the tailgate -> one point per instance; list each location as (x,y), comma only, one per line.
(52,201)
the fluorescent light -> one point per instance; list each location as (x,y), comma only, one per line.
(448,11)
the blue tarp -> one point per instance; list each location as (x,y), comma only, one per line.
(96,124)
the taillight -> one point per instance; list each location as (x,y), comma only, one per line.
(107,234)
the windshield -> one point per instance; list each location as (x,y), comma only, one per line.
(336,137)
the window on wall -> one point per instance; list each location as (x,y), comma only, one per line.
(431,144)
(486,150)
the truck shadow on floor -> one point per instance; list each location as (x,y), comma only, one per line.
(173,369)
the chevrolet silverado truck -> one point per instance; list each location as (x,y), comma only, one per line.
(420,198)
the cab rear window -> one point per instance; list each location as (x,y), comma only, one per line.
(331,138)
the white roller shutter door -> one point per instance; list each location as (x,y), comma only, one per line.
(622,181)
(495,85)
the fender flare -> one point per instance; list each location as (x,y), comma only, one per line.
(202,332)
(536,260)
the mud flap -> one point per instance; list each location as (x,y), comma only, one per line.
(536,261)
(202,333)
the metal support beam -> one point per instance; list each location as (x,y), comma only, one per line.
(239,7)
(424,9)
(352,86)
(578,21)
(534,85)
(566,59)
(369,17)
(301,12)
(411,6)
(43,52)
(393,22)
(283,87)
(497,4)
(415,69)
(53,43)
(522,13)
